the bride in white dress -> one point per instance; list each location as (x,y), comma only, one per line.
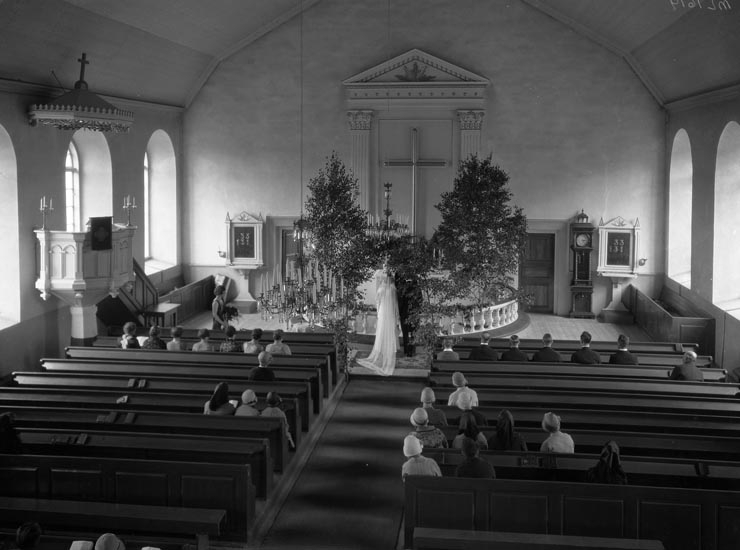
(382,358)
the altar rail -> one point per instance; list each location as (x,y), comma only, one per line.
(491,317)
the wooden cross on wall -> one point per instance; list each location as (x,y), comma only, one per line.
(415,163)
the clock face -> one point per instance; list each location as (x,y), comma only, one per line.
(583,239)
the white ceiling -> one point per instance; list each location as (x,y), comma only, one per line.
(164,50)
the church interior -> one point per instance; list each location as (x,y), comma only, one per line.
(620,116)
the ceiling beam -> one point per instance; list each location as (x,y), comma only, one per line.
(603,42)
(243,43)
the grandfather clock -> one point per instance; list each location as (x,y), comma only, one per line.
(582,286)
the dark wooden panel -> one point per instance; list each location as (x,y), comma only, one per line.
(129,487)
(76,484)
(728,520)
(518,513)
(18,481)
(677,525)
(453,510)
(593,517)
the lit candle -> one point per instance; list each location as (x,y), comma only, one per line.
(41,204)
(133,204)
(341,286)
(51,204)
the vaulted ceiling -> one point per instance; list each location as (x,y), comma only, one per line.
(163,51)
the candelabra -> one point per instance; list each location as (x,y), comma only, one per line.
(129,203)
(45,208)
(386,228)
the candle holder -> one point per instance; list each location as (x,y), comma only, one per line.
(45,208)
(129,203)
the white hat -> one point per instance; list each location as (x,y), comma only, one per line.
(458,379)
(419,417)
(427,395)
(550,422)
(411,446)
(108,541)
(249,397)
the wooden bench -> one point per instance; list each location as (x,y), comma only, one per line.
(289,337)
(162,446)
(163,483)
(100,517)
(538,369)
(686,519)
(426,538)
(654,359)
(534,344)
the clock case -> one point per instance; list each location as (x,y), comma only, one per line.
(581,288)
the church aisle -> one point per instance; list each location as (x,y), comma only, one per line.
(350,493)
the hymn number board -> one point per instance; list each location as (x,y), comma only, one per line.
(618,247)
(244,241)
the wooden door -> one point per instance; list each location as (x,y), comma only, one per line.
(537,272)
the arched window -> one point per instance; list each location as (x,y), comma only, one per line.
(680,194)
(161,203)
(726,275)
(72,188)
(10,298)
(147,210)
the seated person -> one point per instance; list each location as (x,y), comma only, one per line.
(458,380)
(623,356)
(474,465)
(557,442)
(447,354)
(687,370)
(28,535)
(263,370)
(469,429)
(219,404)
(514,353)
(505,438)
(204,344)
(417,465)
(273,410)
(436,416)
(108,541)
(10,441)
(278,347)
(483,352)
(154,341)
(465,404)
(253,345)
(546,354)
(230,344)
(129,340)
(585,355)
(176,344)
(247,408)
(430,436)
(609,467)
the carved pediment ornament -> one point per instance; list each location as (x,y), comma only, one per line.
(245,216)
(471,120)
(360,120)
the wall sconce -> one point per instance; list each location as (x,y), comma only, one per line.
(221,253)
(642,261)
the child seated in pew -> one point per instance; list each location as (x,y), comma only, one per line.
(505,438)
(254,346)
(154,341)
(430,436)
(219,404)
(474,465)
(129,340)
(273,410)
(557,441)
(230,345)
(204,345)
(469,429)
(278,347)
(176,344)
(436,417)
(249,400)
(417,465)
(609,467)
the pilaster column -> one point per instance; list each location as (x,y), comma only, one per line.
(84,324)
(360,124)
(471,122)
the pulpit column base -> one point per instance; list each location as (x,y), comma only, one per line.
(84,325)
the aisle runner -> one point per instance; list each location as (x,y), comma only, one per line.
(350,493)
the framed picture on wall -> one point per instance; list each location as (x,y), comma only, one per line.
(618,243)
(244,240)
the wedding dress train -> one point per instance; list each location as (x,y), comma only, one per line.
(382,358)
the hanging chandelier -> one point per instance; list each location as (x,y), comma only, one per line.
(81,109)
(386,228)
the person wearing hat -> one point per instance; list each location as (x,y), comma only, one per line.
(204,343)
(465,404)
(154,341)
(483,352)
(176,344)
(514,353)
(249,400)
(219,403)
(585,355)
(278,347)
(447,354)
(253,345)
(546,354)
(473,465)
(436,416)
(417,465)
(623,355)
(458,380)
(557,441)
(430,436)
(687,370)
(108,541)
(609,467)
(263,370)
(230,345)
(273,410)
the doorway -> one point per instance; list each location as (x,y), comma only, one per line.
(537,272)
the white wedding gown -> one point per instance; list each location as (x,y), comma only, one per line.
(382,358)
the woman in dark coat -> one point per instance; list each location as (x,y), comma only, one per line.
(609,468)
(219,404)
(505,438)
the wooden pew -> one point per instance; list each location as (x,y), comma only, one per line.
(194,371)
(626,420)
(296,397)
(281,363)
(569,346)
(592,384)
(162,446)
(113,480)
(686,519)
(524,369)
(99,517)
(426,538)
(289,337)
(654,359)
(255,429)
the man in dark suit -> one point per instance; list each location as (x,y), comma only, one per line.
(586,355)
(623,356)
(546,354)
(514,353)
(483,352)
(688,369)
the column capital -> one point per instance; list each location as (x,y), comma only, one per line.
(471,119)
(360,120)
